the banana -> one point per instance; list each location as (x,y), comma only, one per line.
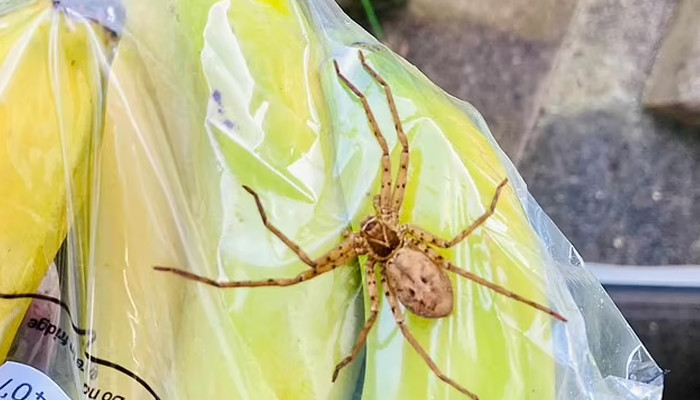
(141,218)
(50,109)
(266,128)
(135,228)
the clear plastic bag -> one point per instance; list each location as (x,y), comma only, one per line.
(196,99)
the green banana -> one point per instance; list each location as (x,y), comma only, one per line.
(187,340)
(266,122)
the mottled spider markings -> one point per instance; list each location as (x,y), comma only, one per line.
(411,272)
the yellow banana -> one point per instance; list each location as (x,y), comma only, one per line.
(50,91)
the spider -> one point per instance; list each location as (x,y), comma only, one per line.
(410,270)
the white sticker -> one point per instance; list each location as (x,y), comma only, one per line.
(22,382)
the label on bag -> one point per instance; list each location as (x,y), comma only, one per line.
(22,382)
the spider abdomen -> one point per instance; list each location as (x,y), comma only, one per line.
(419,284)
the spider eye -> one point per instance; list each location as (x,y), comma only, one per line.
(370,225)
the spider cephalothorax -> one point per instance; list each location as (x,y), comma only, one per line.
(410,270)
(381,238)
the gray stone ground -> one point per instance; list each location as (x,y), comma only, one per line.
(561,85)
(621,183)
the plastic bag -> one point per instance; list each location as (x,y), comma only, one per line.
(196,99)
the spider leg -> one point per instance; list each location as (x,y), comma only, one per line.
(341,255)
(385,192)
(440,261)
(374,310)
(400,321)
(400,186)
(425,236)
(302,277)
(293,246)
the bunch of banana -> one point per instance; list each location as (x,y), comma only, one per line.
(233,93)
(207,96)
(50,110)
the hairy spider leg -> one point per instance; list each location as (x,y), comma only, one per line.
(427,237)
(341,251)
(385,191)
(348,250)
(293,246)
(402,176)
(401,322)
(374,311)
(335,258)
(440,261)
